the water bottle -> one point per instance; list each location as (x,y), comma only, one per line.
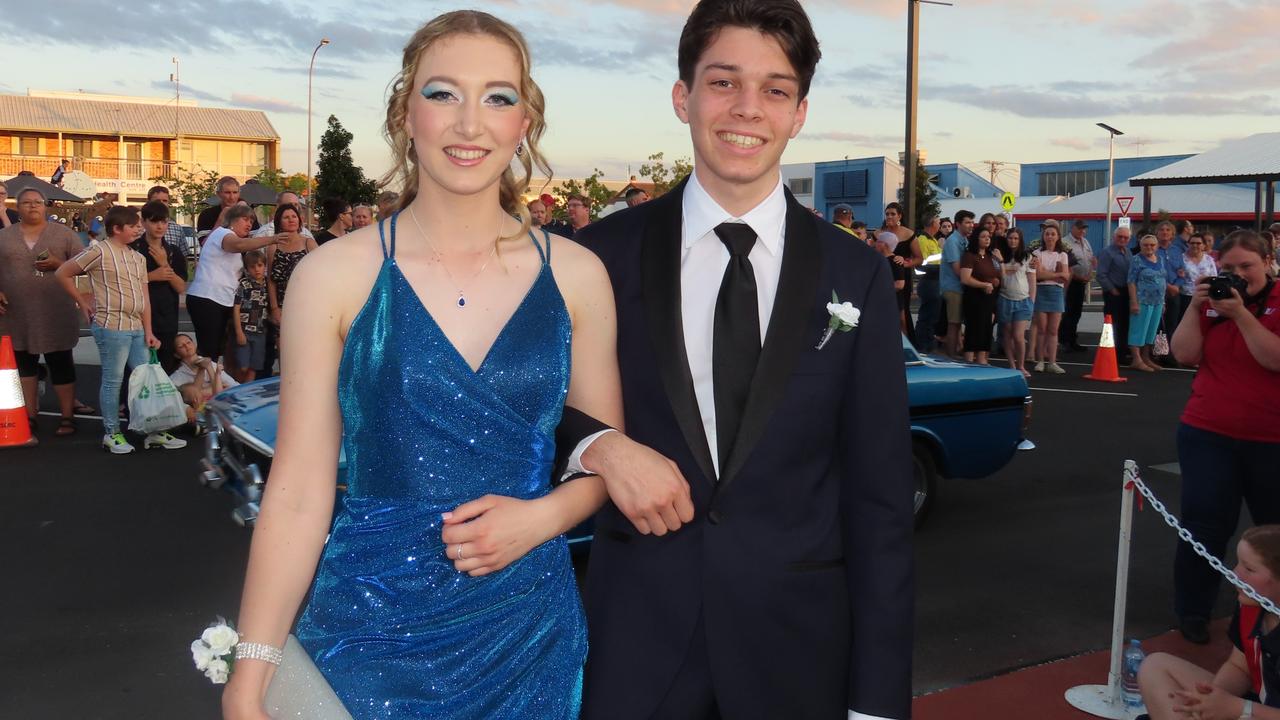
(1132,660)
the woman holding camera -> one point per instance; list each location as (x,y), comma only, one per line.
(1229,436)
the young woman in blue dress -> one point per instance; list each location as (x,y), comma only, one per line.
(438,347)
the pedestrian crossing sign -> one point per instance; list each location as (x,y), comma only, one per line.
(1007,201)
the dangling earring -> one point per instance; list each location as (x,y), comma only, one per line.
(411,148)
(520,149)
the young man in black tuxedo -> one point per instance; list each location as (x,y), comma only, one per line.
(776,582)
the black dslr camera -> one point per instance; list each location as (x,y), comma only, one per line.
(1220,286)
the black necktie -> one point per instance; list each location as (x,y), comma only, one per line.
(736,336)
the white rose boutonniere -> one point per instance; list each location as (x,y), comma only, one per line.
(844,317)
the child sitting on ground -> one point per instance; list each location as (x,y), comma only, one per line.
(197,378)
(1248,683)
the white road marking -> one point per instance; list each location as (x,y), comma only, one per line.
(1172,468)
(1084,392)
(78,416)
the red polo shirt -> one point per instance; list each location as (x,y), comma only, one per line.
(1232,394)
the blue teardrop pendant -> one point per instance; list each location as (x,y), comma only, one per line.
(462,301)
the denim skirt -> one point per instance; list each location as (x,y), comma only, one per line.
(1050,299)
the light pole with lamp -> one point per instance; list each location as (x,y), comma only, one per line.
(1111,180)
(310,71)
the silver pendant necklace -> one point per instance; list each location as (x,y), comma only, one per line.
(462,297)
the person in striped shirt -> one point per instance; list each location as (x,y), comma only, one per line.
(120,318)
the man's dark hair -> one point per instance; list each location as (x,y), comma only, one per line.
(633,192)
(226,180)
(157,189)
(119,216)
(962,216)
(586,201)
(783,20)
(155,210)
(857,225)
(333,207)
(1185,225)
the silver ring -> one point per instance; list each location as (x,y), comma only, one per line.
(460,550)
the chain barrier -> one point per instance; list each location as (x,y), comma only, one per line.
(1132,478)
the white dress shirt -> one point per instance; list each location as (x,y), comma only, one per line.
(703,260)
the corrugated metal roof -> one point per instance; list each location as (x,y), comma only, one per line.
(1178,199)
(21,112)
(1255,155)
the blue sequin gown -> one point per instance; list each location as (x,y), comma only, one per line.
(396,630)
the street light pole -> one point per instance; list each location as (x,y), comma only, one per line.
(1111,179)
(911,160)
(310,71)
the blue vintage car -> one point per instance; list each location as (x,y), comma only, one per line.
(967,421)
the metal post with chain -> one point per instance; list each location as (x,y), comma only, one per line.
(1105,700)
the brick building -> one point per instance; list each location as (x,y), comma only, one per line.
(121,143)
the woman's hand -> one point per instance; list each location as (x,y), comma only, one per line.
(488,534)
(1207,702)
(276,316)
(1133,308)
(989,288)
(1230,308)
(49,264)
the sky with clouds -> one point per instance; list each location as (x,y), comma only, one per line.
(1011,80)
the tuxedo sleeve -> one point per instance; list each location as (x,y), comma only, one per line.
(575,427)
(876,500)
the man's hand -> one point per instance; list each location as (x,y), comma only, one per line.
(153,341)
(647,487)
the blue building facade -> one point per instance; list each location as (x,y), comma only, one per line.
(957,181)
(864,184)
(1078,177)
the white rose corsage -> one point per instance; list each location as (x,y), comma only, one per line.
(214,651)
(844,317)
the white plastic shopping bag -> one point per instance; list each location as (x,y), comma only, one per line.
(154,403)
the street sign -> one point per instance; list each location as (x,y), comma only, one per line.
(1007,201)
(1125,222)
(1125,202)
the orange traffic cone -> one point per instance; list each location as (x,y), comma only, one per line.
(1104,363)
(15,431)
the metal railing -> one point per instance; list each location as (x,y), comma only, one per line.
(43,167)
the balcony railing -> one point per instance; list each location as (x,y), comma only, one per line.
(43,166)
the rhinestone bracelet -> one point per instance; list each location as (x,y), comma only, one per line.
(259,651)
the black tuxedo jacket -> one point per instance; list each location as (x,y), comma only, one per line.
(799,560)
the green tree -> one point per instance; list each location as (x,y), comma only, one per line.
(655,170)
(591,187)
(278,181)
(926,199)
(189,189)
(337,175)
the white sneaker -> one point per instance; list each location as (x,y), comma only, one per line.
(1039,366)
(116,444)
(1056,369)
(163,440)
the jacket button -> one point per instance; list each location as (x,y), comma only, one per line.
(713,517)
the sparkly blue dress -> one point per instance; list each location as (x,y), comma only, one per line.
(396,630)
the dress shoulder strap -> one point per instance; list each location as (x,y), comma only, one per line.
(388,249)
(544,254)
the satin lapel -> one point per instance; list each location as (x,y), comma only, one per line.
(660,279)
(789,331)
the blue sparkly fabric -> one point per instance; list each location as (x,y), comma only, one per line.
(396,630)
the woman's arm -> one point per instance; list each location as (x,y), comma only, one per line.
(496,530)
(1043,275)
(235,244)
(297,507)
(66,274)
(1263,344)
(967,279)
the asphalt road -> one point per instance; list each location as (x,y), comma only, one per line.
(116,563)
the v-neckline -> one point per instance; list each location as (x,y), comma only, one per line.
(475,371)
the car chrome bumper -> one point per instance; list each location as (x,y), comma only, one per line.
(220,467)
